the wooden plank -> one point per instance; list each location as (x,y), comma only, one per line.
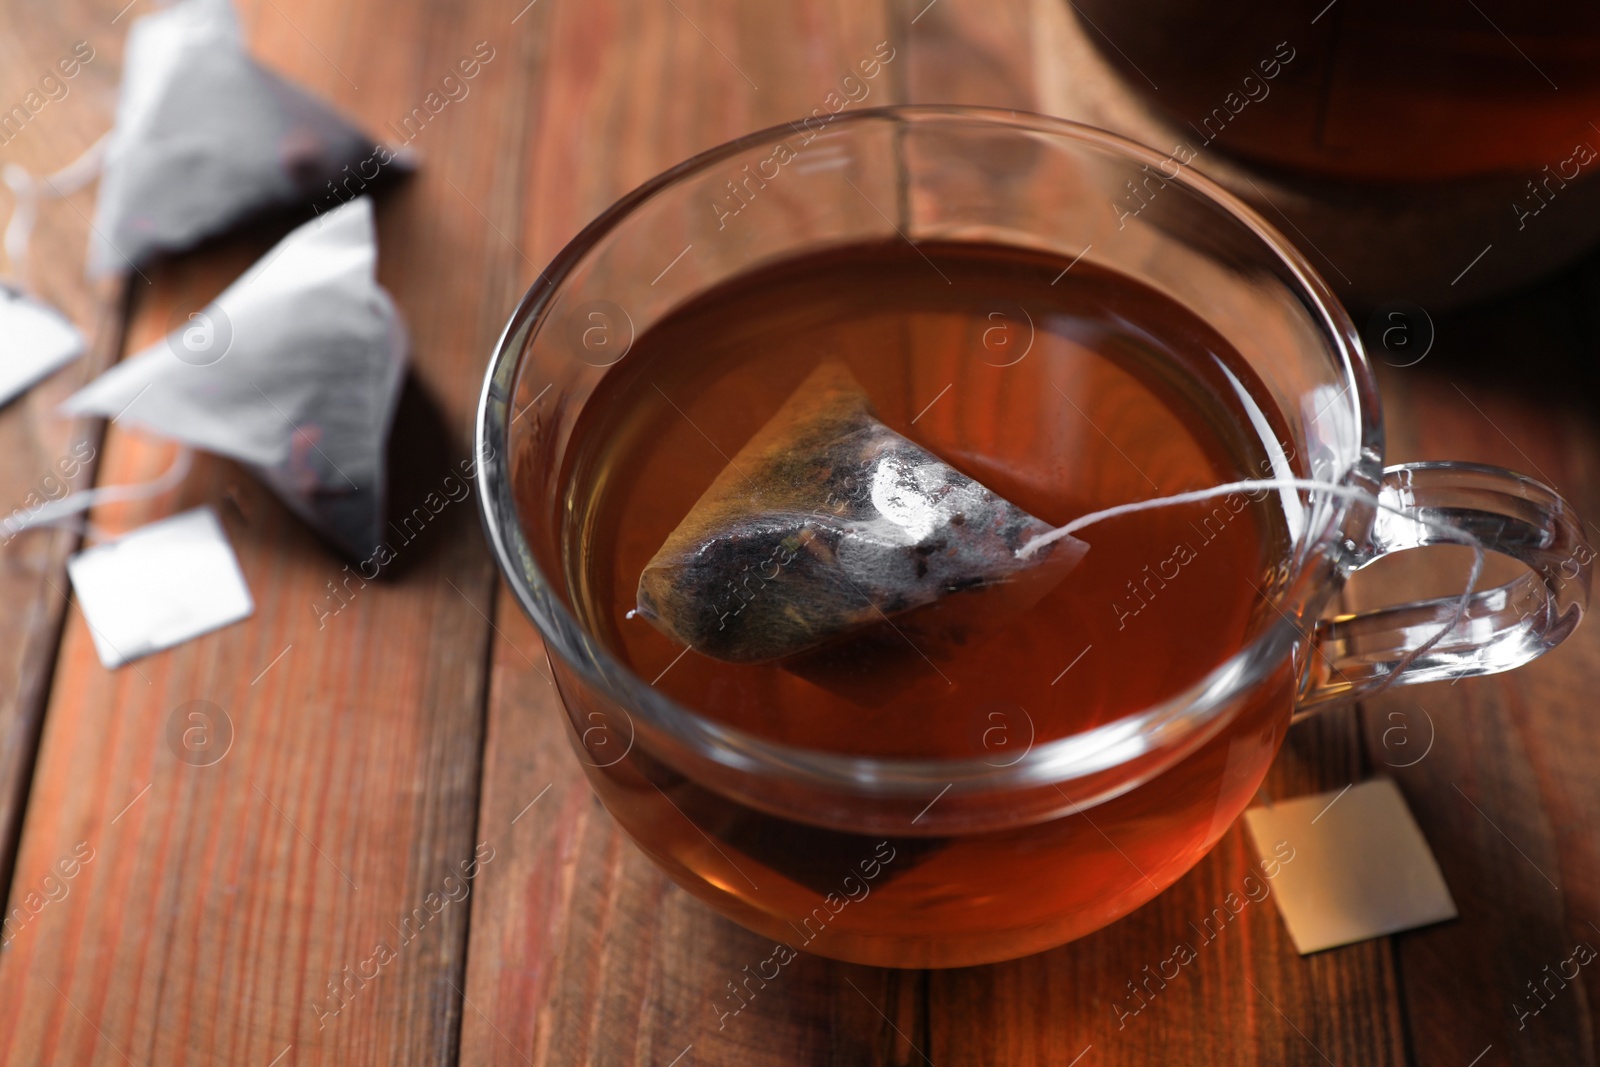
(36,445)
(1247,998)
(222,900)
(581,950)
(1506,793)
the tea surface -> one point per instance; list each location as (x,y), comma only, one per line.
(1062,392)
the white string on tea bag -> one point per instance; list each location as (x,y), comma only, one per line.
(1448,533)
(29,191)
(57,512)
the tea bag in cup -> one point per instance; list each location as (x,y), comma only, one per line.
(206,137)
(295,369)
(829,526)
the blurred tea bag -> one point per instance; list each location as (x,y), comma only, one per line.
(35,340)
(829,524)
(294,369)
(206,137)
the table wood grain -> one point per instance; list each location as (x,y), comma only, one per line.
(227,909)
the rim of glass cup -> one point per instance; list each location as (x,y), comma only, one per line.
(1180,722)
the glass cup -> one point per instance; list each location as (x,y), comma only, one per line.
(949,862)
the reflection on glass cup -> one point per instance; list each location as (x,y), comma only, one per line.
(1032,838)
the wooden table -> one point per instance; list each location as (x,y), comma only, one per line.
(223,904)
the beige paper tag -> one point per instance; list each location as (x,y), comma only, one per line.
(159,585)
(1361,866)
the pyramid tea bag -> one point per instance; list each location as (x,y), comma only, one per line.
(828,523)
(35,340)
(295,369)
(205,137)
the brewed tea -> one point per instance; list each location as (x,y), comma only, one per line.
(1062,387)
(1063,394)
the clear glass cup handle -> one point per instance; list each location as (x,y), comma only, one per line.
(1502,627)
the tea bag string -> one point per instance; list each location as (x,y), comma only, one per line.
(1448,533)
(28,191)
(59,512)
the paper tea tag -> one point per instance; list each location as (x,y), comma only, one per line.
(159,586)
(34,341)
(1362,868)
